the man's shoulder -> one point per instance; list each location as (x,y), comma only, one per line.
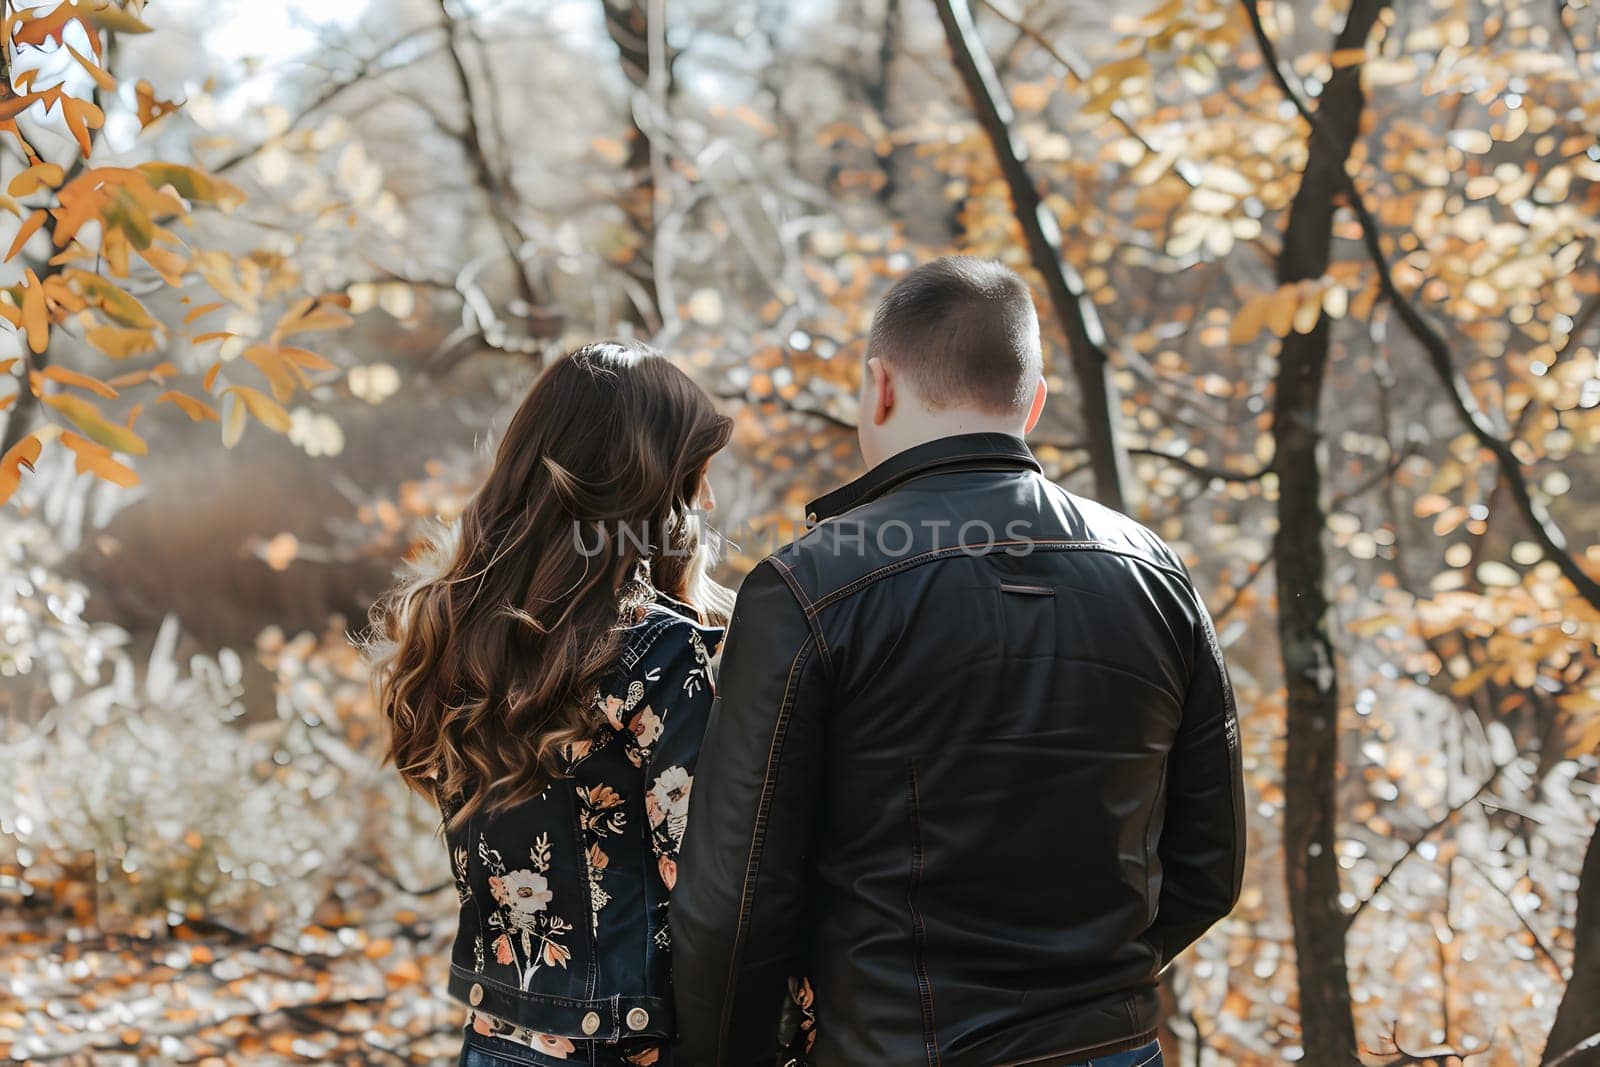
(902,529)
(1116,530)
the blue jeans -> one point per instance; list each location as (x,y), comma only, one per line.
(1144,1056)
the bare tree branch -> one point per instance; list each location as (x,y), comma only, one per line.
(1068,295)
(373,66)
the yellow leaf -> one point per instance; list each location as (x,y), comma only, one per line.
(110,298)
(193,184)
(113,17)
(1121,70)
(1281,307)
(218,271)
(25,231)
(233,418)
(120,342)
(97,460)
(318,316)
(1247,322)
(282,374)
(266,410)
(114,246)
(86,417)
(124,212)
(167,263)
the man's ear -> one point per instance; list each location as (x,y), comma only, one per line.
(1040,391)
(883,390)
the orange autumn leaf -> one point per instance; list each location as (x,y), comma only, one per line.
(120,342)
(39,176)
(266,410)
(197,410)
(306,319)
(307,358)
(35,316)
(160,371)
(150,107)
(82,381)
(202,310)
(82,116)
(101,76)
(25,231)
(96,459)
(86,417)
(22,454)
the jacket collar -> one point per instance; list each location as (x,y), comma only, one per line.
(970,451)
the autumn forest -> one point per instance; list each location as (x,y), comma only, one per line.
(1321,306)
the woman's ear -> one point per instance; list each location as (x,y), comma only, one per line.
(882,389)
(1040,391)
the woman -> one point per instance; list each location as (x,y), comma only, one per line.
(547,683)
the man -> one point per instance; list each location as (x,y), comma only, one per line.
(975,768)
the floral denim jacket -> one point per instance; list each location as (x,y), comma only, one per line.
(563,923)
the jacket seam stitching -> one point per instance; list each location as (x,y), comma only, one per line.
(1230,747)
(919,933)
(806,607)
(757,841)
(1054,545)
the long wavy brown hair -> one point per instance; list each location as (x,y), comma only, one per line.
(487,657)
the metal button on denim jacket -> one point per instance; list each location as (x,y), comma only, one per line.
(563,926)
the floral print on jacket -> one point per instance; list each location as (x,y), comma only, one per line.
(563,935)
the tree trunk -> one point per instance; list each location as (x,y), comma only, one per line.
(1574,1039)
(1085,338)
(1310,668)
(498,192)
(628,24)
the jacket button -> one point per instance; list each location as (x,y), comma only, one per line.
(811,519)
(638,1019)
(591,1023)
(475,995)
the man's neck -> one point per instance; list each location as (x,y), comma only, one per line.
(948,424)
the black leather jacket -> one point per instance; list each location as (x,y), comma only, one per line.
(973,769)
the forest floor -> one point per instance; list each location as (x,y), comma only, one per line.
(359,986)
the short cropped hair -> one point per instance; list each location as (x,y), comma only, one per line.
(964,331)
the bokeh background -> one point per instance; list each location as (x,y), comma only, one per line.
(1320,299)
